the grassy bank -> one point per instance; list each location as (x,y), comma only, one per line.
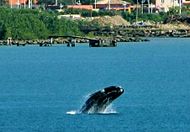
(34,24)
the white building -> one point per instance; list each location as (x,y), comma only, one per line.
(164,5)
(186,2)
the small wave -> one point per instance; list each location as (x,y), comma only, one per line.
(72,112)
(108,111)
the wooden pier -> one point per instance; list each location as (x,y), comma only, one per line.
(93,42)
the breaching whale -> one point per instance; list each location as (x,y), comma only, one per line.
(98,101)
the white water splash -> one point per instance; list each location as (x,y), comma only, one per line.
(109,110)
(72,112)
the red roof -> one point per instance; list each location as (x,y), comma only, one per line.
(186,3)
(87,7)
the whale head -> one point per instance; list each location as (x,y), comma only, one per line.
(112,92)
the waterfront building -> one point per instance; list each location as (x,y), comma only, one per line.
(105,5)
(165,5)
(186,2)
(70,16)
(86,7)
(113,5)
(19,2)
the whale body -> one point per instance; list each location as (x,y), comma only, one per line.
(100,100)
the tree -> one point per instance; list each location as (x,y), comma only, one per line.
(64,2)
(3,2)
(88,1)
(47,2)
(139,1)
(2,30)
(29,24)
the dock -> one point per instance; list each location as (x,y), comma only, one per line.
(72,41)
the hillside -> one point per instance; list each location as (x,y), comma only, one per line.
(110,20)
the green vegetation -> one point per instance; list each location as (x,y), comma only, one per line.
(88,13)
(66,2)
(34,24)
(37,24)
(130,17)
(3,2)
(154,17)
(88,1)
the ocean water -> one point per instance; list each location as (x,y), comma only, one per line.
(41,88)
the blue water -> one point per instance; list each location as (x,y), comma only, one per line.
(39,85)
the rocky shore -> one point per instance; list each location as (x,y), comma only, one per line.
(48,43)
(118,33)
(144,31)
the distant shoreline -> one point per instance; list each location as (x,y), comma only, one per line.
(118,33)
